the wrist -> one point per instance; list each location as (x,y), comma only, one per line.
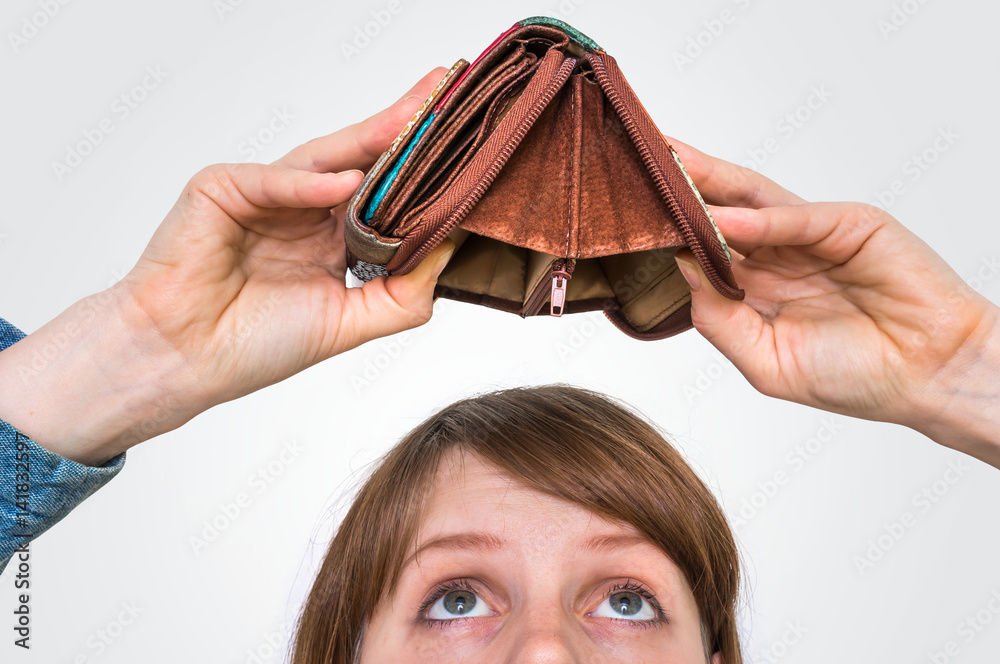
(95,381)
(960,407)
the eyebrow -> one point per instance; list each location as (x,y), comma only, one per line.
(474,541)
(483,542)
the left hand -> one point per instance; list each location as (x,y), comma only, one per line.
(846,309)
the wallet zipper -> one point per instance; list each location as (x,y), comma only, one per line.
(662,181)
(462,209)
(552,289)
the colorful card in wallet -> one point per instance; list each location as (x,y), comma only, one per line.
(546,171)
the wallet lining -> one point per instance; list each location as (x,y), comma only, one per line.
(641,281)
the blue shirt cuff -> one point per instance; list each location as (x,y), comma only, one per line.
(38,487)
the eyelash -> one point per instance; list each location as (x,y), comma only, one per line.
(464,584)
(645,593)
(439,592)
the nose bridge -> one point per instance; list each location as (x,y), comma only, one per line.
(546,633)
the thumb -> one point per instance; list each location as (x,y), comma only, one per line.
(415,290)
(732,326)
(387,305)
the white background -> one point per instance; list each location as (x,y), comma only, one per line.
(227,72)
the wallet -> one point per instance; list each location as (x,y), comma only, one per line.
(560,194)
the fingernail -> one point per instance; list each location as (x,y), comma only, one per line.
(408,97)
(442,262)
(354,170)
(689,272)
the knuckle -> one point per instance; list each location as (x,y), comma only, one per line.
(866,215)
(216,181)
(862,220)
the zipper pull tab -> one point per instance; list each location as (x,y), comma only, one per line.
(558,298)
(562,270)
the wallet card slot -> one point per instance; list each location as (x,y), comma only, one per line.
(487,58)
(444,136)
(468,189)
(381,176)
(463,150)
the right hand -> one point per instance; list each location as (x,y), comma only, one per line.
(241,286)
(245,276)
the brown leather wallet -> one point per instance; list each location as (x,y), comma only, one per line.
(541,164)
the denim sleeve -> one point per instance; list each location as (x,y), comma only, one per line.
(38,487)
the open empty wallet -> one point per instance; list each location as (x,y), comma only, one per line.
(561,195)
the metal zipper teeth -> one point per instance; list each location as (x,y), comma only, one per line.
(462,209)
(566,265)
(658,177)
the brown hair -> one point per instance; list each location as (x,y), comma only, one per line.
(564,441)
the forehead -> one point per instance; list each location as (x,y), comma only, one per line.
(470,492)
(475,501)
(476,515)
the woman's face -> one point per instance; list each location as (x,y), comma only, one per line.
(502,573)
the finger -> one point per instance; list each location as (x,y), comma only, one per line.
(732,326)
(387,305)
(836,231)
(723,183)
(248,191)
(360,144)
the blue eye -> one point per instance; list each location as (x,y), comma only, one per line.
(625,604)
(631,601)
(458,603)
